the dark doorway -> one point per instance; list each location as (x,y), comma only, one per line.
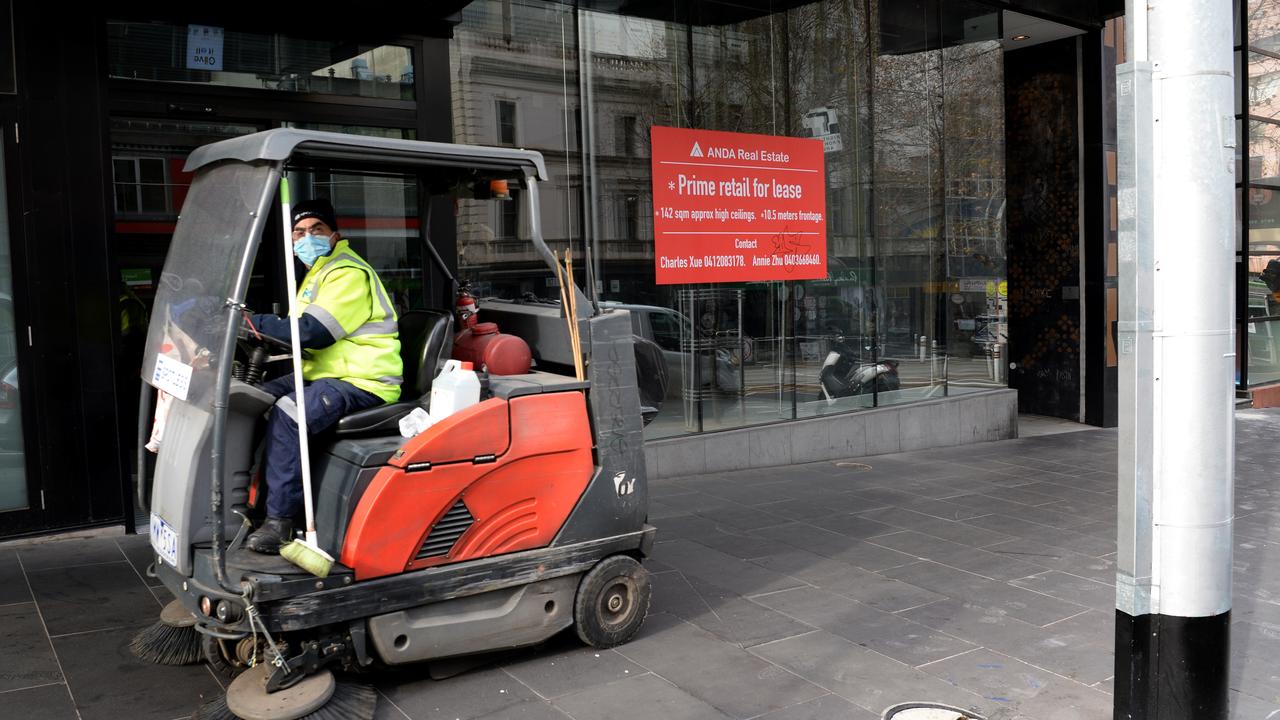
(1043,165)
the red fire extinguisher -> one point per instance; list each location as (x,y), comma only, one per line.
(466,308)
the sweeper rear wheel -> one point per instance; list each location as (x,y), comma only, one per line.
(612,602)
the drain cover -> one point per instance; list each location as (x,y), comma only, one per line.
(927,711)
(854,466)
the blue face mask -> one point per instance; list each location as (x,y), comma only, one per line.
(310,248)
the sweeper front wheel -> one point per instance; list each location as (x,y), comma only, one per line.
(613,599)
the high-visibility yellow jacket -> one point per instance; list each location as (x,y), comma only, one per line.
(344,294)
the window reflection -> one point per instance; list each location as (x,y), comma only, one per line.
(535,113)
(913,130)
(13,476)
(165,52)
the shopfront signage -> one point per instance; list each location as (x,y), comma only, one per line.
(204,47)
(733,207)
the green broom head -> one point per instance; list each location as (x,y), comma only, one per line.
(308,557)
(172,640)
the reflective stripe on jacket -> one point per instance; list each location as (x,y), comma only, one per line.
(344,293)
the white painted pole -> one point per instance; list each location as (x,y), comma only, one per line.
(1176,131)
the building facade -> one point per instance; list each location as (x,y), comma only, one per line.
(1257,36)
(970,204)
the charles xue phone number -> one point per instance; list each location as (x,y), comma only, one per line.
(705,261)
(725,261)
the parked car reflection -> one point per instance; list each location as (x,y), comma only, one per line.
(666,328)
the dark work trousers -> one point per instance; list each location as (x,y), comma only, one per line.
(328,400)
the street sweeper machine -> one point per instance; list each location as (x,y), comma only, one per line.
(501,524)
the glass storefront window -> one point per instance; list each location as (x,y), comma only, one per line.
(915,122)
(1264,150)
(1262,20)
(974,293)
(366,130)
(1264,351)
(1239,217)
(8,63)
(910,193)
(536,112)
(217,56)
(140,184)
(13,476)
(147,155)
(378,216)
(1264,220)
(1264,86)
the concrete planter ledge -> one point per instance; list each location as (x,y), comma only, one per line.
(958,420)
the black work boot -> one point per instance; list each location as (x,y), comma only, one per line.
(268,538)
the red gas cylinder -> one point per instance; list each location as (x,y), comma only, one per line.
(492,351)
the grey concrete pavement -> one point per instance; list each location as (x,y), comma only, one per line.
(979,575)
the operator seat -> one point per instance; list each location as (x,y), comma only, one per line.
(426,341)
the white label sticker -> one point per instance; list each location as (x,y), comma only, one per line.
(171,376)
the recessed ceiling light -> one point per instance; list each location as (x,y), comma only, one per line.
(1020,37)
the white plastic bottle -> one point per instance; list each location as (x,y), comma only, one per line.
(414,423)
(455,388)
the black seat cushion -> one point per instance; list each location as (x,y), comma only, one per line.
(379,420)
(426,341)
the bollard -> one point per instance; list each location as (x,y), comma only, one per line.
(997,364)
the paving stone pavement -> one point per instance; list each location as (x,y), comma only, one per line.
(980,575)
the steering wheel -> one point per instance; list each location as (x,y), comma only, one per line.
(248,338)
(256,352)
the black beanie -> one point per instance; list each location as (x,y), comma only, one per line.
(317,208)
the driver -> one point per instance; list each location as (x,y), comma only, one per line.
(351,359)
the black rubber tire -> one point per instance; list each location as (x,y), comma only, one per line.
(612,602)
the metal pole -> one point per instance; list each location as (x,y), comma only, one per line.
(1175,109)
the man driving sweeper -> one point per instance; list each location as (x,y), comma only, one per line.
(351,358)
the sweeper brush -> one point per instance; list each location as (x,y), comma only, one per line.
(171,640)
(318,697)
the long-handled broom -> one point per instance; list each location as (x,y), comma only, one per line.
(171,640)
(306,554)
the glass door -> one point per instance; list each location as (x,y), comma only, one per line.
(18,493)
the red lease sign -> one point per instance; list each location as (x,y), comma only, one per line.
(733,207)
